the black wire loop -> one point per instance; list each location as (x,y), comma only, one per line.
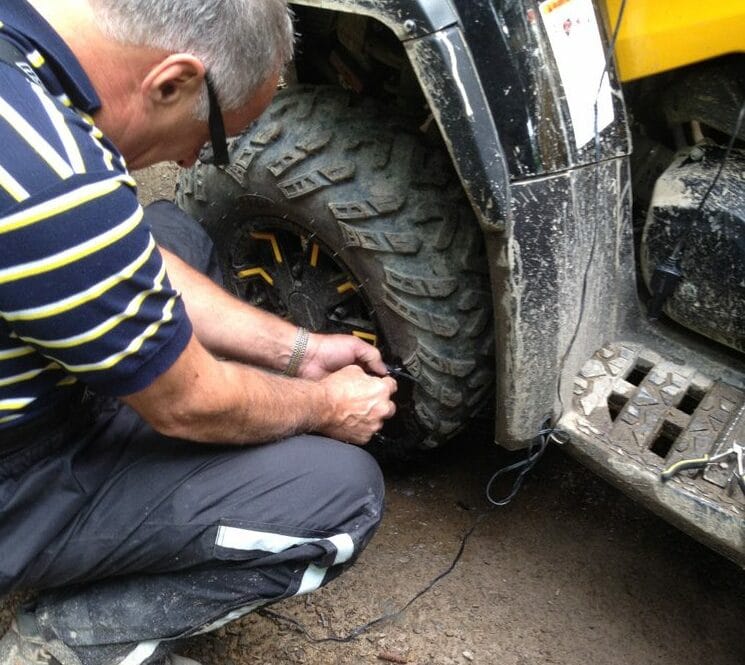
(535,451)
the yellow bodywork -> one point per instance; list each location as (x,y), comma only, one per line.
(660,35)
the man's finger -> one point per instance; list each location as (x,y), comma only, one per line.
(370,356)
(391,383)
(391,410)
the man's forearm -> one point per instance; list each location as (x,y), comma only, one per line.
(200,398)
(265,408)
(207,400)
(225,325)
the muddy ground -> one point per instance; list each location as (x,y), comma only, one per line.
(571,572)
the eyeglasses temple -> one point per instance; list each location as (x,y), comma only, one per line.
(217,127)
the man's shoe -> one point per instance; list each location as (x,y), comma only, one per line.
(15,650)
(23,645)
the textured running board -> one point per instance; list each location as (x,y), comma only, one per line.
(635,413)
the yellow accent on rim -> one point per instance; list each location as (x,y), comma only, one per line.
(270,237)
(254,272)
(368,337)
(347,286)
(314,254)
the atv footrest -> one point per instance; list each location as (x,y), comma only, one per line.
(635,413)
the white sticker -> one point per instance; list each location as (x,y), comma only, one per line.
(575,40)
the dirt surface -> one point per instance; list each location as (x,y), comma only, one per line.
(571,572)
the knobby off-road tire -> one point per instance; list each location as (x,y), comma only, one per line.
(390,212)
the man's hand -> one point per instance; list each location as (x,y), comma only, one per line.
(358,404)
(204,399)
(329,353)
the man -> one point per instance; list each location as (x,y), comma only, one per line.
(136,504)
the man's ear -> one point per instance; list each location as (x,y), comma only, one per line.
(176,79)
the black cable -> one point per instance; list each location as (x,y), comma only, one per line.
(535,451)
(585,279)
(730,147)
(359,630)
(606,72)
(668,272)
(540,442)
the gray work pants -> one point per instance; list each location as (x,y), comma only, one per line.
(138,540)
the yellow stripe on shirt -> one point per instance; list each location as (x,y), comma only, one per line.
(27,376)
(37,142)
(64,203)
(15,404)
(84,297)
(134,346)
(12,186)
(19,352)
(108,156)
(63,130)
(107,326)
(61,259)
(35,58)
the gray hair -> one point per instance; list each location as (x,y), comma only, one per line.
(240,42)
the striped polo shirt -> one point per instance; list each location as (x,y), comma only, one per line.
(84,297)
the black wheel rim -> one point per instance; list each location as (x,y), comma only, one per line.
(292,273)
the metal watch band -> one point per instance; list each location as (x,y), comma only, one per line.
(298,352)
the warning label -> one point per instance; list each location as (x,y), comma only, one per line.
(575,41)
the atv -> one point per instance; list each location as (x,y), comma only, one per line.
(454,182)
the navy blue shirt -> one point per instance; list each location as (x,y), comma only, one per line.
(83,292)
